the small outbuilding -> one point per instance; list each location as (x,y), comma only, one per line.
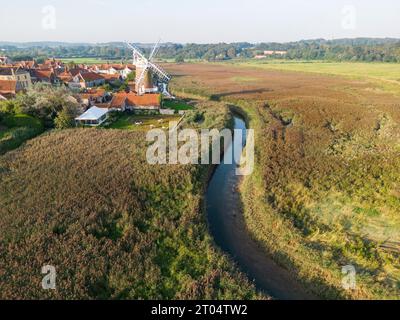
(93,117)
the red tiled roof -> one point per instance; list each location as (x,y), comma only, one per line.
(43,74)
(93,93)
(65,76)
(91,76)
(144,100)
(27,64)
(76,71)
(118,66)
(132,99)
(8,86)
(131,66)
(111,76)
(106,105)
(118,100)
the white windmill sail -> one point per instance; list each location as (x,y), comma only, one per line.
(145,65)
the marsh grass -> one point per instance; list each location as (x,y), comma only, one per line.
(325,190)
(87,202)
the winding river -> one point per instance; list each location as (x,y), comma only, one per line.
(228,228)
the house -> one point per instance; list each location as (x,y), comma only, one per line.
(93,97)
(28,65)
(75,71)
(8,88)
(65,77)
(133,102)
(86,80)
(44,75)
(126,71)
(93,117)
(22,77)
(112,78)
(273,52)
(114,69)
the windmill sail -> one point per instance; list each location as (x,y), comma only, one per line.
(145,68)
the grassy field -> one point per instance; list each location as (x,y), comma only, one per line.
(383,75)
(177,105)
(16,129)
(88,60)
(326,187)
(87,202)
(142,122)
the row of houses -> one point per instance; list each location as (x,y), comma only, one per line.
(19,76)
(85,81)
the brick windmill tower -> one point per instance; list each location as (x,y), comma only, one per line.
(150,78)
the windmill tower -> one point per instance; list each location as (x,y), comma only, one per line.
(150,78)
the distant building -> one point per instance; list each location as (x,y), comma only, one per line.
(112,78)
(93,97)
(27,65)
(272,53)
(114,69)
(86,80)
(44,75)
(65,77)
(22,77)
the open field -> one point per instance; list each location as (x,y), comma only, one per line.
(88,60)
(326,187)
(87,202)
(385,76)
(177,105)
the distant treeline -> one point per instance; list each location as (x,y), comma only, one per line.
(360,49)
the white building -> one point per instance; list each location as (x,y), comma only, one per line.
(92,117)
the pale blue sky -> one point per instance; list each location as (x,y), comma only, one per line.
(197,21)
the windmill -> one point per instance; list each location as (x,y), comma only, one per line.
(150,77)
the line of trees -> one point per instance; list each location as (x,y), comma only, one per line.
(360,49)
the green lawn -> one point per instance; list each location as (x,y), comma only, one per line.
(89,60)
(22,120)
(177,105)
(16,129)
(142,122)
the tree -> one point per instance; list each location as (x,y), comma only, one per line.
(10,106)
(45,102)
(131,76)
(231,53)
(179,59)
(65,118)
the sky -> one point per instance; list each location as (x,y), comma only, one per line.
(199,21)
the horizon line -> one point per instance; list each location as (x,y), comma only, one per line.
(201,43)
